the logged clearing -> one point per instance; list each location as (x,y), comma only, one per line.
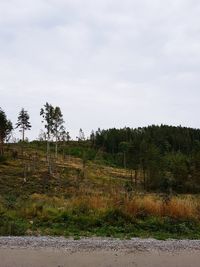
(86,198)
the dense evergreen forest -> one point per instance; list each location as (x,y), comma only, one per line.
(167,157)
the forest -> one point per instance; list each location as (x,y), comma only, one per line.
(167,157)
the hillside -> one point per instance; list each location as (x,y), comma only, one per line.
(83,196)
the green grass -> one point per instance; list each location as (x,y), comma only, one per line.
(83,222)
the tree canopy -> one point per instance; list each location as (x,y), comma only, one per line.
(166,155)
(5,129)
(23,122)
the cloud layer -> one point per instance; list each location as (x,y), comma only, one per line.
(105,63)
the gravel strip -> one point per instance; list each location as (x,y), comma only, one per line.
(91,244)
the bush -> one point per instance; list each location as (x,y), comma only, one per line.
(116,217)
(10,201)
(2,159)
(12,226)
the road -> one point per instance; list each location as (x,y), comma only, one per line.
(50,252)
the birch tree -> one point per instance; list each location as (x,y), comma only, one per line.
(47,114)
(58,127)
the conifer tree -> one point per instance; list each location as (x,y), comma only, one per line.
(5,130)
(23,122)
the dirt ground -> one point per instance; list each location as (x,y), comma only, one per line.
(46,257)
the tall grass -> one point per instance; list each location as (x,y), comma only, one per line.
(183,208)
(113,215)
(178,208)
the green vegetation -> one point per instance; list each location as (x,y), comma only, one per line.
(5,130)
(98,202)
(167,156)
(122,183)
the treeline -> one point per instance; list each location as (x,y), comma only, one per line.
(166,157)
(159,158)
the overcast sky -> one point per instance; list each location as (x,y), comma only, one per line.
(106,63)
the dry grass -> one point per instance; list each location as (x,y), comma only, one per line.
(183,208)
(100,190)
(143,205)
(186,207)
(96,202)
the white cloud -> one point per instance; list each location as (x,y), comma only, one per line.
(106,63)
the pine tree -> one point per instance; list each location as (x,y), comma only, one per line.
(23,122)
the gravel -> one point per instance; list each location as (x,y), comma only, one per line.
(91,244)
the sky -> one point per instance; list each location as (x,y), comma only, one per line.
(106,63)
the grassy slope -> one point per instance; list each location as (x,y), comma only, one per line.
(96,203)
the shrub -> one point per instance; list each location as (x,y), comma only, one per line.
(2,159)
(116,217)
(12,226)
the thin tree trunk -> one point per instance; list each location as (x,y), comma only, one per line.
(136,178)
(144,178)
(124,160)
(56,148)
(23,160)
(63,148)
(131,176)
(48,156)
(23,134)
(1,148)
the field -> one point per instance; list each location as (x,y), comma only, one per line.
(86,197)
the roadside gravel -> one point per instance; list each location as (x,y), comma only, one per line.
(92,244)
